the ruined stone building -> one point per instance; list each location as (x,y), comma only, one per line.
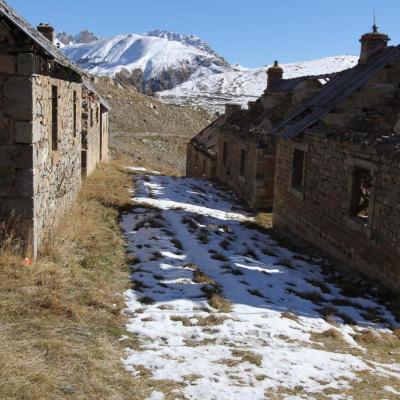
(41,127)
(235,151)
(95,128)
(338,165)
(325,153)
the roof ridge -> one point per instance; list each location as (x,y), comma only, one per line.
(342,85)
(38,38)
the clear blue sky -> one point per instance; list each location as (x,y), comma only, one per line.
(252,32)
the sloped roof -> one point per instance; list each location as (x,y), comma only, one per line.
(9,13)
(343,85)
(287,85)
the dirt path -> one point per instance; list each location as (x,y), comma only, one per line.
(284,331)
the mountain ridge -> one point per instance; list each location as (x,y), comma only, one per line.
(183,69)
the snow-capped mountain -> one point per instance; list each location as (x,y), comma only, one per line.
(241,85)
(152,63)
(190,40)
(184,69)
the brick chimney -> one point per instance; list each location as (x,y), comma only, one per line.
(231,111)
(372,43)
(275,75)
(47,31)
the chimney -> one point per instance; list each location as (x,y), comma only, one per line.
(275,75)
(372,43)
(47,31)
(231,111)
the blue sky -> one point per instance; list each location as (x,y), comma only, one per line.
(252,32)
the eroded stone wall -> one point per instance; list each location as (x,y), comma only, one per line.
(16,182)
(321,213)
(91,125)
(56,172)
(199,164)
(105,127)
(256,185)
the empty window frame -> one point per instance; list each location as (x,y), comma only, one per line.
(298,167)
(74,111)
(225,153)
(361,190)
(54,117)
(242,162)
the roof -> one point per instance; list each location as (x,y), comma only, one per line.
(287,85)
(9,13)
(340,87)
(88,85)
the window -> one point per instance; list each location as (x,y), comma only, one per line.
(225,153)
(361,189)
(97,114)
(91,117)
(298,170)
(242,162)
(54,117)
(74,113)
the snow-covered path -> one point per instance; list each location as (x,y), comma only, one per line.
(267,344)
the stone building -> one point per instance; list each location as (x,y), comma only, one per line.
(338,165)
(201,160)
(235,151)
(95,128)
(40,127)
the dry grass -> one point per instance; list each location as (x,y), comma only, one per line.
(210,320)
(220,303)
(211,289)
(313,296)
(60,319)
(262,223)
(248,356)
(289,315)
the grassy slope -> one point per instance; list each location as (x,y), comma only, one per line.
(60,319)
(148,132)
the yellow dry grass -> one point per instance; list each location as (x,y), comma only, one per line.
(60,318)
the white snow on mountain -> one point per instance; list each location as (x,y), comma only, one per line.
(155,56)
(241,85)
(184,70)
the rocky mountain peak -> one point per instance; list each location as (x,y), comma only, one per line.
(190,40)
(85,36)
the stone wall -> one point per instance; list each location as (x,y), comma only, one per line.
(200,164)
(56,172)
(105,129)
(321,212)
(256,185)
(91,124)
(16,183)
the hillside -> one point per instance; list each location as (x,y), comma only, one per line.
(151,63)
(183,69)
(241,85)
(146,130)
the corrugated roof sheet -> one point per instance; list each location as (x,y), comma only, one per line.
(9,13)
(343,85)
